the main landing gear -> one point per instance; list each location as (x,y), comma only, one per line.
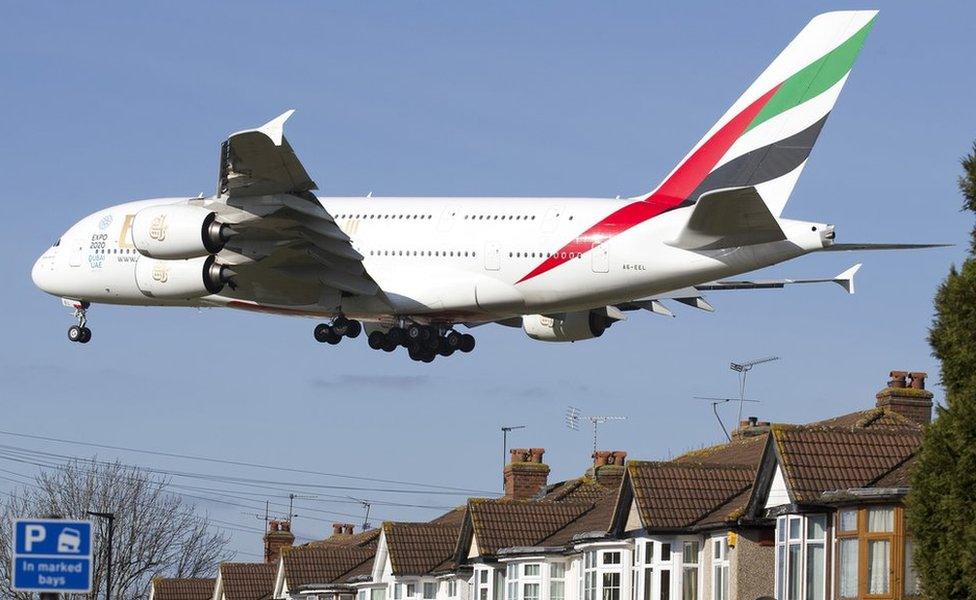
(424,343)
(80,333)
(340,327)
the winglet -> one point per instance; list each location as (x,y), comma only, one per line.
(846,279)
(275,128)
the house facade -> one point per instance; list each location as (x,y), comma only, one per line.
(791,512)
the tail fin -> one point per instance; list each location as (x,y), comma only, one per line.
(766,136)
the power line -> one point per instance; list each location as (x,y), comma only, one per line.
(242,463)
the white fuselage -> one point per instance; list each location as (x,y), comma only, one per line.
(442,259)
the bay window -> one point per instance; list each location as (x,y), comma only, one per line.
(720,568)
(602,575)
(430,590)
(557,581)
(483,586)
(511,581)
(652,566)
(801,557)
(874,554)
(689,571)
(452,588)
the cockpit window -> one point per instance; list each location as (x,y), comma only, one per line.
(57,243)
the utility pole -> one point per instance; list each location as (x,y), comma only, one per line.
(506,429)
(110,517)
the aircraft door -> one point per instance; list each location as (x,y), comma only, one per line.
(493,256)
(448,216)
(77,251)
(551,220)
(600,258)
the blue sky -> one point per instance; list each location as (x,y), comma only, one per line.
(131,101)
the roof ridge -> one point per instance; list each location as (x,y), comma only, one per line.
(696,464)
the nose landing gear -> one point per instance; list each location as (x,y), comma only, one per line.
(340,327)
(80,333)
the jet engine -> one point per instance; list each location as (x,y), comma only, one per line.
(181,279)
(178,231)
(567,327)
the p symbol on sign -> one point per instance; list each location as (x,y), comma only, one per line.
(32,534)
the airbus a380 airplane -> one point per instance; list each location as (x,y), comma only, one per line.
(411,269)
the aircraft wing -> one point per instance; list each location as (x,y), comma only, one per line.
(260,161)
(285,234)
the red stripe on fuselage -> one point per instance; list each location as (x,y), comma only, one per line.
(667,196)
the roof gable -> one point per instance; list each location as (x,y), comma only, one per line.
(497,524)
(323,564)
(247,581)
(815,460)
(670,495)
(164,588)
(419,548)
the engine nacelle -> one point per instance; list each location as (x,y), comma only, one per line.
(178,231)
(570,327)
(181,279)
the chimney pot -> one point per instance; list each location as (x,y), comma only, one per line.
(918,379)
(608,467)
(277,539)
(897,379)
(753,421)
(337,529)
(348,528)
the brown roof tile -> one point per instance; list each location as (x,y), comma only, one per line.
(673,495)
(419,548)
(323,564)
(581,489)
(509,523)
(182,589)
(363,539)
(247,581)
(874,418)
(818,459)
(740,451)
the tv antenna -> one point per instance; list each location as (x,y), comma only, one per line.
(291,504)
(715,402)
(506,429)
(573,416)
(366,506)
(743,369)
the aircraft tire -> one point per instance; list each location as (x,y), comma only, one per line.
(321,333)
(86,335)
(354,329)
(74,333)
(376,340)
(467,342)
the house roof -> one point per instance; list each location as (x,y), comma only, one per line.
(498,524)
(818,459)
(363,539)
(323,564)
(740,451)
(581,489)
(182,589)
(247,581)
(675,495)
(419,548)
(873,418)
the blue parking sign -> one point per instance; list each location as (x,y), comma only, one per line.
(52,555)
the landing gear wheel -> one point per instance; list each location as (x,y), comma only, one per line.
(376,340)
(85,335)
(333,337)
(453,340)
(417,332)
(354,329)
(340,325)
(74,333)
(398,335)
(467,342)
(389,345)
(321,333)
(444,348)
(427,357)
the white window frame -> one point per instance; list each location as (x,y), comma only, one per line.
(719,546)
(551,578)
(783,543)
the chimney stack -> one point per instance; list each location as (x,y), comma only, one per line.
(526,474)
(608,467)
(277,539)
(750,428)
(907,396)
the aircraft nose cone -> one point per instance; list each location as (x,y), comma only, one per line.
(41,273)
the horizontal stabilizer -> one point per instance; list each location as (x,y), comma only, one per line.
(728,218)
(851,247)
(845,280)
